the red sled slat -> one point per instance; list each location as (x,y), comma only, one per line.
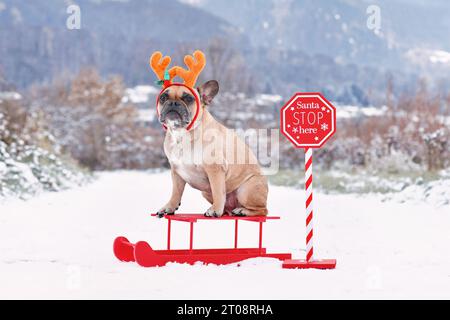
(147,257)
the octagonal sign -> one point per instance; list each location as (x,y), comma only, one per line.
(308,120)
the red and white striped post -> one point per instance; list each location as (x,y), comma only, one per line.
(308,120)
(309,204)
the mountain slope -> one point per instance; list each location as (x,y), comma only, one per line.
(339,28)
(115,36)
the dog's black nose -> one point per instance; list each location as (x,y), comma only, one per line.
(173,104)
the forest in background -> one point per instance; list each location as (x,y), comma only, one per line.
(87,120)
(64,110)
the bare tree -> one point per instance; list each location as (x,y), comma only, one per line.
(224,64)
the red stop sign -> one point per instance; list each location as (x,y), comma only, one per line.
(308,120)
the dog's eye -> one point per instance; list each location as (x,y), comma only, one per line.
(187,98)
(163,98)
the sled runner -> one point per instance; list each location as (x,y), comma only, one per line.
(142,253)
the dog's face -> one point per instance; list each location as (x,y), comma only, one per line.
(177,105)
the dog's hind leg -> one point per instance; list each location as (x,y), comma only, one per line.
(252,197)
(231,203)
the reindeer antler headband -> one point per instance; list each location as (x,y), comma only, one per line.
(195,64)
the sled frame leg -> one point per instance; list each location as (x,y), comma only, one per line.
(236,233)
(260,236)
(169,227)
(191,237)
(191,234)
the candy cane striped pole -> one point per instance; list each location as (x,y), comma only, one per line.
(309,204)
(309,262)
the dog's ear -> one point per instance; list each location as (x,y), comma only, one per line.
(208,91)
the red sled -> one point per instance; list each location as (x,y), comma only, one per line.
(144,255)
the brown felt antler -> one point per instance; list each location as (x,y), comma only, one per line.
(195,67)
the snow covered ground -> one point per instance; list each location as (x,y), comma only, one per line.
(59,245)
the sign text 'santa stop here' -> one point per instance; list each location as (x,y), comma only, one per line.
(308,120)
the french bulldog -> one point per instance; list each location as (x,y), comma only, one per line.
(202,153)
(233,188)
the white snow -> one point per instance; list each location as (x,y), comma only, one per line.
(267,99)
(349,111)
(435,193)
(10,95)
(139,94)
(59,245)
(147,115)
(423,56)
(194,3)
(440,56)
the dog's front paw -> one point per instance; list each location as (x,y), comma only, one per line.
(167,210)
(239,212)
(213,213)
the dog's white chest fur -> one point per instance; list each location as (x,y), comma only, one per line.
(185,161)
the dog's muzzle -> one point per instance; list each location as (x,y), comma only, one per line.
(174,113)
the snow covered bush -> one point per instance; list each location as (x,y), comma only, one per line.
(90,121)
(437,144)
(27,168)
